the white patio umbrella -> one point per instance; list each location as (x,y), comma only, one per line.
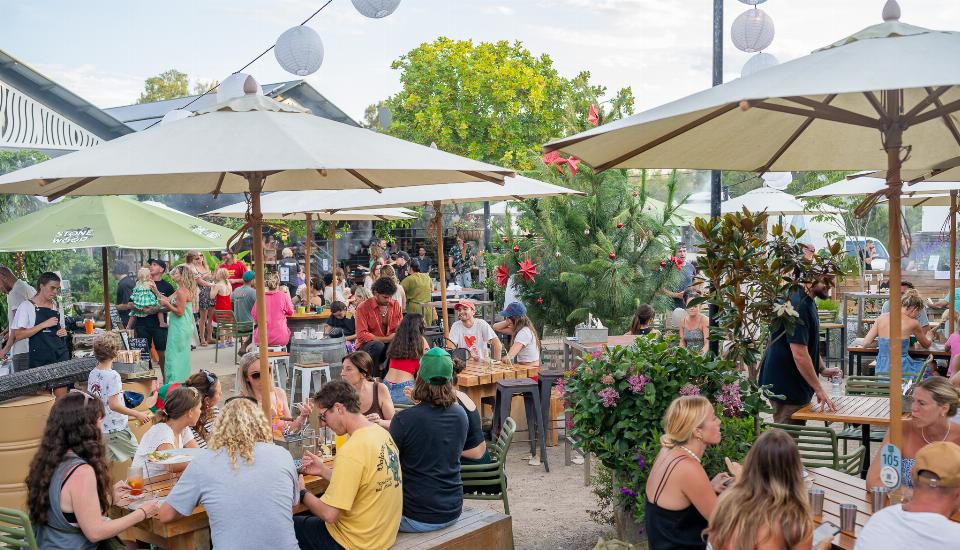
(248,144)
(774,202)
(883,98)
(517,188)
(498,209)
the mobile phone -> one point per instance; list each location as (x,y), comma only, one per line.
(826,530)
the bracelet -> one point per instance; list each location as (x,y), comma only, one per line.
(145,515)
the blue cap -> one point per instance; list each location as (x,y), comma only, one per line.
(248,276)
(514,309)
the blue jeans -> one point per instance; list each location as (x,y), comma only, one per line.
(396,391)
(464,279)
(408,525)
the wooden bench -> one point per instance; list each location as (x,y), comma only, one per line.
(476,528)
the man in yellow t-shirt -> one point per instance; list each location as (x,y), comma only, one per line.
(361,507)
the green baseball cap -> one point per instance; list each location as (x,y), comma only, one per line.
(436,367)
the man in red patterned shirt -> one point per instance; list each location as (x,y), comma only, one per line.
(377,321)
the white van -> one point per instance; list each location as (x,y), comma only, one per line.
(856,245)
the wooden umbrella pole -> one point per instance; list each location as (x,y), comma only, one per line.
(333,261)
(107,324)
(308,287)
(953,259)
(893,136)
(266,378)
(438,222)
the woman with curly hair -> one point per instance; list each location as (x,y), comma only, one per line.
(406,349)
(68,487)
(245,466)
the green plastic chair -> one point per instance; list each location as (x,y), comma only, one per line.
(491,475)
(15,530)
(818,448)
(228,327)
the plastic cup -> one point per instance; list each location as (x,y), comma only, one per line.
(815,495)
(848,518)
(878,498)
(135,480)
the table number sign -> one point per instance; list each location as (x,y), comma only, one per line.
(890,466)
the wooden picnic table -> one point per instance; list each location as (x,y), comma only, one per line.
(478,382)
(840,488)
(917,352)
(181,534)
(853,409)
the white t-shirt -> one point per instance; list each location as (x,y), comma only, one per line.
(26,317)
(530,352)
(474,338)
(328,294)
(894,529)
(20,293)
(106,383)
(157,435)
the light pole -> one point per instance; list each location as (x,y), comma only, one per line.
(715,183)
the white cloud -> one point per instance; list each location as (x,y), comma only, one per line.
(497,10)
(102,88)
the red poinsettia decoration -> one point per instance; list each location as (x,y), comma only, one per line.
(529,270)
(502,275)
(593,116)
(553,158)
(677,262)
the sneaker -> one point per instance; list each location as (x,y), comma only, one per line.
(527,457)
(576,459)
(535,461)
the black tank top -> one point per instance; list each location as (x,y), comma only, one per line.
(673,529)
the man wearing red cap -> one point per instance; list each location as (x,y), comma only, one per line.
(474,334)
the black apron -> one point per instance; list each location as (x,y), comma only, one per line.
(45,346)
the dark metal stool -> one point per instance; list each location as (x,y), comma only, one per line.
(547,380)
(530,391)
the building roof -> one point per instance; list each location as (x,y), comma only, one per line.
(140,116)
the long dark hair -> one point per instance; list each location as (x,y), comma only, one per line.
(521,321)
(408,341)
(205,382)
(72,426)
(641,319)
(178,403)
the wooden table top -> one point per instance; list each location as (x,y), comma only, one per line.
(830,326)
(914,351)
(309,316)
(852,409)
(477,375)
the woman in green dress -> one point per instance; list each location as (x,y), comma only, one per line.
(419,289)
(176,367)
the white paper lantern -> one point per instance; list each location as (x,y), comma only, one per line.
(299,50)
(376,8)
(237,85)
(753,2)
(758,62)
(777,180)
(175,115)
(752,31)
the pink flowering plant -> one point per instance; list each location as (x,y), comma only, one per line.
(617,400)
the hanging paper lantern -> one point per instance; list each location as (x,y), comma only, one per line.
(753,2)
(503,275)
(752,31)
(237,85)
(529,270)
(375,9)
(758,62)
(299,50)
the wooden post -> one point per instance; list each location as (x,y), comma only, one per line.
(256,180)
(953,259)
(108,325)
(308,289)
(438,222)
(333,261)
(893,139)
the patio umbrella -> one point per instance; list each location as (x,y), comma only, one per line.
(109,221)
(238,210)
(774,202)
(248,144)
(883,98)
(518,188)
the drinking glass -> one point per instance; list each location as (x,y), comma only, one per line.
(135,480)
(309,440)
(816,494)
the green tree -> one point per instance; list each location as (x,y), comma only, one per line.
(200,87)
(169,84)
(495,102)
(13,206)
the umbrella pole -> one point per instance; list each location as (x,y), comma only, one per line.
(953,259)
(333,261)
(438,222)
(893,140)
(266,378)
(308,286)
(108,326)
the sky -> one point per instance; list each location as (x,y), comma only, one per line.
(104,49)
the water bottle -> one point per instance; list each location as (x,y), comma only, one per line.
(835,390)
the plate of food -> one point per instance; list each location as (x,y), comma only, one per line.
(169,457)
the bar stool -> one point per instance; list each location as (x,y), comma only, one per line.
(530,391)
(306,372)
(546,382)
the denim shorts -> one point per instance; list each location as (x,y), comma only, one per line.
(408,525)
(396,391)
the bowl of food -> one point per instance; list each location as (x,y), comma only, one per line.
(172,461)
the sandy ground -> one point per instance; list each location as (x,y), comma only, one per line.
(549,509)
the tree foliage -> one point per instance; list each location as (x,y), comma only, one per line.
(169,84)
(495,102)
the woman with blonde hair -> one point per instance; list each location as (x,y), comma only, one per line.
(244,466)
(278,305)
(911,306)
(176,366)
(203,301)
(250,387)
(767,508)
(221,290)
(400,295)
(680,496)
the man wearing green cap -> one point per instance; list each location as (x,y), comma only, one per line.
(430,438)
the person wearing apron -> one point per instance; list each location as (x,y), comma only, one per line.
(40,321)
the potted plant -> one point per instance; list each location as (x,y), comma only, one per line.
(469,227)
(617,400)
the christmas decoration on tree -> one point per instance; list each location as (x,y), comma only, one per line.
(529,271)
(503,275)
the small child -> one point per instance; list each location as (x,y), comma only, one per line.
(105,383)
(338,320)
(143,298)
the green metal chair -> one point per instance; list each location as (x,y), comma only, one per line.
(15,530)
(818,448)
(228,327)
(491,476)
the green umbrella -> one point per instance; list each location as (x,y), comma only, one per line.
(110,221)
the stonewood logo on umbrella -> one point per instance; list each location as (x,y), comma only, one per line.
(210,234)
(70,236)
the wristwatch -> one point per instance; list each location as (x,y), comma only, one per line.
(303,493)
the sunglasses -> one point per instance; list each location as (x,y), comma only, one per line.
(255,375)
